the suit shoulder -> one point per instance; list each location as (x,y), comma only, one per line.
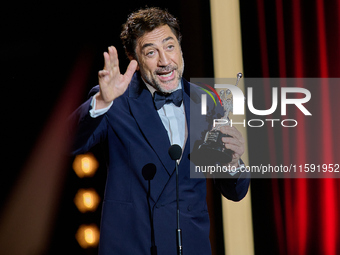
(93,91)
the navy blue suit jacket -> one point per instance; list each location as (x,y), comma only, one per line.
(135,136)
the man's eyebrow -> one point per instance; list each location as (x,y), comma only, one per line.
(167,39)
(147,45)
(152,44)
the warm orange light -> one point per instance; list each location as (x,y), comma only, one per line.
(86,200)
(85,165)
(88,236)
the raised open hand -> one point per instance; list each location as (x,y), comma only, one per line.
(112,83)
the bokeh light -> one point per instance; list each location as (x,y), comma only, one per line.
(86,200)
(85,165)
(88,236)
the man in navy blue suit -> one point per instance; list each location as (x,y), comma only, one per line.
(132,115)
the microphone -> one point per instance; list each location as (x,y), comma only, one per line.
(148,172)
(175,152)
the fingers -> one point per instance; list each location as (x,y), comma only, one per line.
(111,62)
(103,73)
(112,83)
(235,142)
(130,70)
(113,57)
(106,61)
(232,131)
(237,148)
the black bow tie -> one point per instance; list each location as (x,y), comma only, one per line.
(161,98)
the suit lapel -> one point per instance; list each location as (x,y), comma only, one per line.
(144,112)
(149,122)
(186,102)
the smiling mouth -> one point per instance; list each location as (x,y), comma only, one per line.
(165,75)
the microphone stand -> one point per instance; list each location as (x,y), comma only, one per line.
(178,230)
(175,152)
(148,172)
(153,244)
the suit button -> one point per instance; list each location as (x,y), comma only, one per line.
(189,207)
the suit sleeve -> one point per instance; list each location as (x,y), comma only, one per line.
(87,131)
(234,189)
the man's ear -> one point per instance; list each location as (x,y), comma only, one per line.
(131,58)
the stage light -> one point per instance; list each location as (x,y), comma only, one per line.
(88,236)
(85,165)
(86,200)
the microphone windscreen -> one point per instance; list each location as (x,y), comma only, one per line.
(149,171)
(175,151)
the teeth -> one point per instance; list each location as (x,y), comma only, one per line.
(166,75)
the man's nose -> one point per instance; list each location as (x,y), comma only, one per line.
(164,59)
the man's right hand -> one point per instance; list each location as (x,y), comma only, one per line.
(112,83)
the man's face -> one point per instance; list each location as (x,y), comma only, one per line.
(160,59)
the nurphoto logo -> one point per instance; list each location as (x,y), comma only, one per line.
(238,106)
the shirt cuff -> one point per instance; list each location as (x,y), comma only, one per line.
(237,169)
(96,113)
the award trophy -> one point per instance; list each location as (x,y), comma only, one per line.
(212,150)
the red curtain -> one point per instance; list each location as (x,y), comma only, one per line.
(306,44)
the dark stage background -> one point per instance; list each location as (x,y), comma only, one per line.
(45,46)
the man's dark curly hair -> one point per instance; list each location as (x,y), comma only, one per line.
(146,20)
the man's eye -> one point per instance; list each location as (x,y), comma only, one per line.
(170,47)
(150,53)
